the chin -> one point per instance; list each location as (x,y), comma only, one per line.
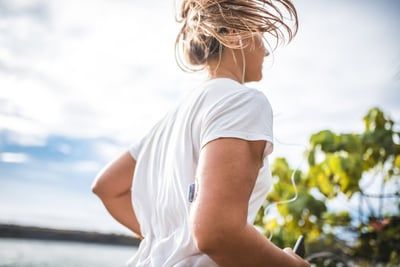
(255,78)
(258,78)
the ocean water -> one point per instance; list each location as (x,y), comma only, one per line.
(38,253)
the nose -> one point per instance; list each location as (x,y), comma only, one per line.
(266,53)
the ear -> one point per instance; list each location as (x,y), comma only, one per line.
(234,37)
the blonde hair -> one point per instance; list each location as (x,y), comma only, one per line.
(210,25)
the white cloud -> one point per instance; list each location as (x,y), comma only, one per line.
(64,149)
(107,151)
(10,157)
(54,207)
(96,70)
(86,166)
(23,131)
(37,138)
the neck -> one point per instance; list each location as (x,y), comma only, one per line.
(225,74)
(227,67)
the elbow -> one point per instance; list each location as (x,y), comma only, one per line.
(210,235)
(210,239)
(96,187)
(206,247)
(203,241)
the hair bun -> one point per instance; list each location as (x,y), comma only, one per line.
(210,25)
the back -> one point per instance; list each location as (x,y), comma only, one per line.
(166,163)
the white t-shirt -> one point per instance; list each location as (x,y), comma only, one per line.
(166,162)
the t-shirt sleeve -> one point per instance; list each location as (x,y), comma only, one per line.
(244,114)
(135,147)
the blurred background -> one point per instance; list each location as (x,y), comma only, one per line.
(82,80)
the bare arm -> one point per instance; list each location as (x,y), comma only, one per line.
(113,186)
(227,172)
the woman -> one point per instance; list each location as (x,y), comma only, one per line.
(191,187)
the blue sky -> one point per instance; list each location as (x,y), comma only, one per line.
(81,80)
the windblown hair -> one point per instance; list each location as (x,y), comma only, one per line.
(210,25)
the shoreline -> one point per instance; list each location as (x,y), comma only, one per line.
(43,233)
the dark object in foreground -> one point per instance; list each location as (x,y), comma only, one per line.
(299,247)
(31,232)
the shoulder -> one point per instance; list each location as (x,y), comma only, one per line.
(226,91)
(259,97)
(245,98)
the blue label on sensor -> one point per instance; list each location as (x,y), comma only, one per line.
(192,190)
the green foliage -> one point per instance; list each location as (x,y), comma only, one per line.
(379,239)
(337,162)
(341,218)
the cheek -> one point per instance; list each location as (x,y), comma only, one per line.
(256,64)
(257,58)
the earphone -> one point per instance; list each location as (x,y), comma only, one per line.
(294,198)
(243,59)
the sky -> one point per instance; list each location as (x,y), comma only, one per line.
(82,80)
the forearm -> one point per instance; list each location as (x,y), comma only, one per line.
(248,247)
(121,209)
